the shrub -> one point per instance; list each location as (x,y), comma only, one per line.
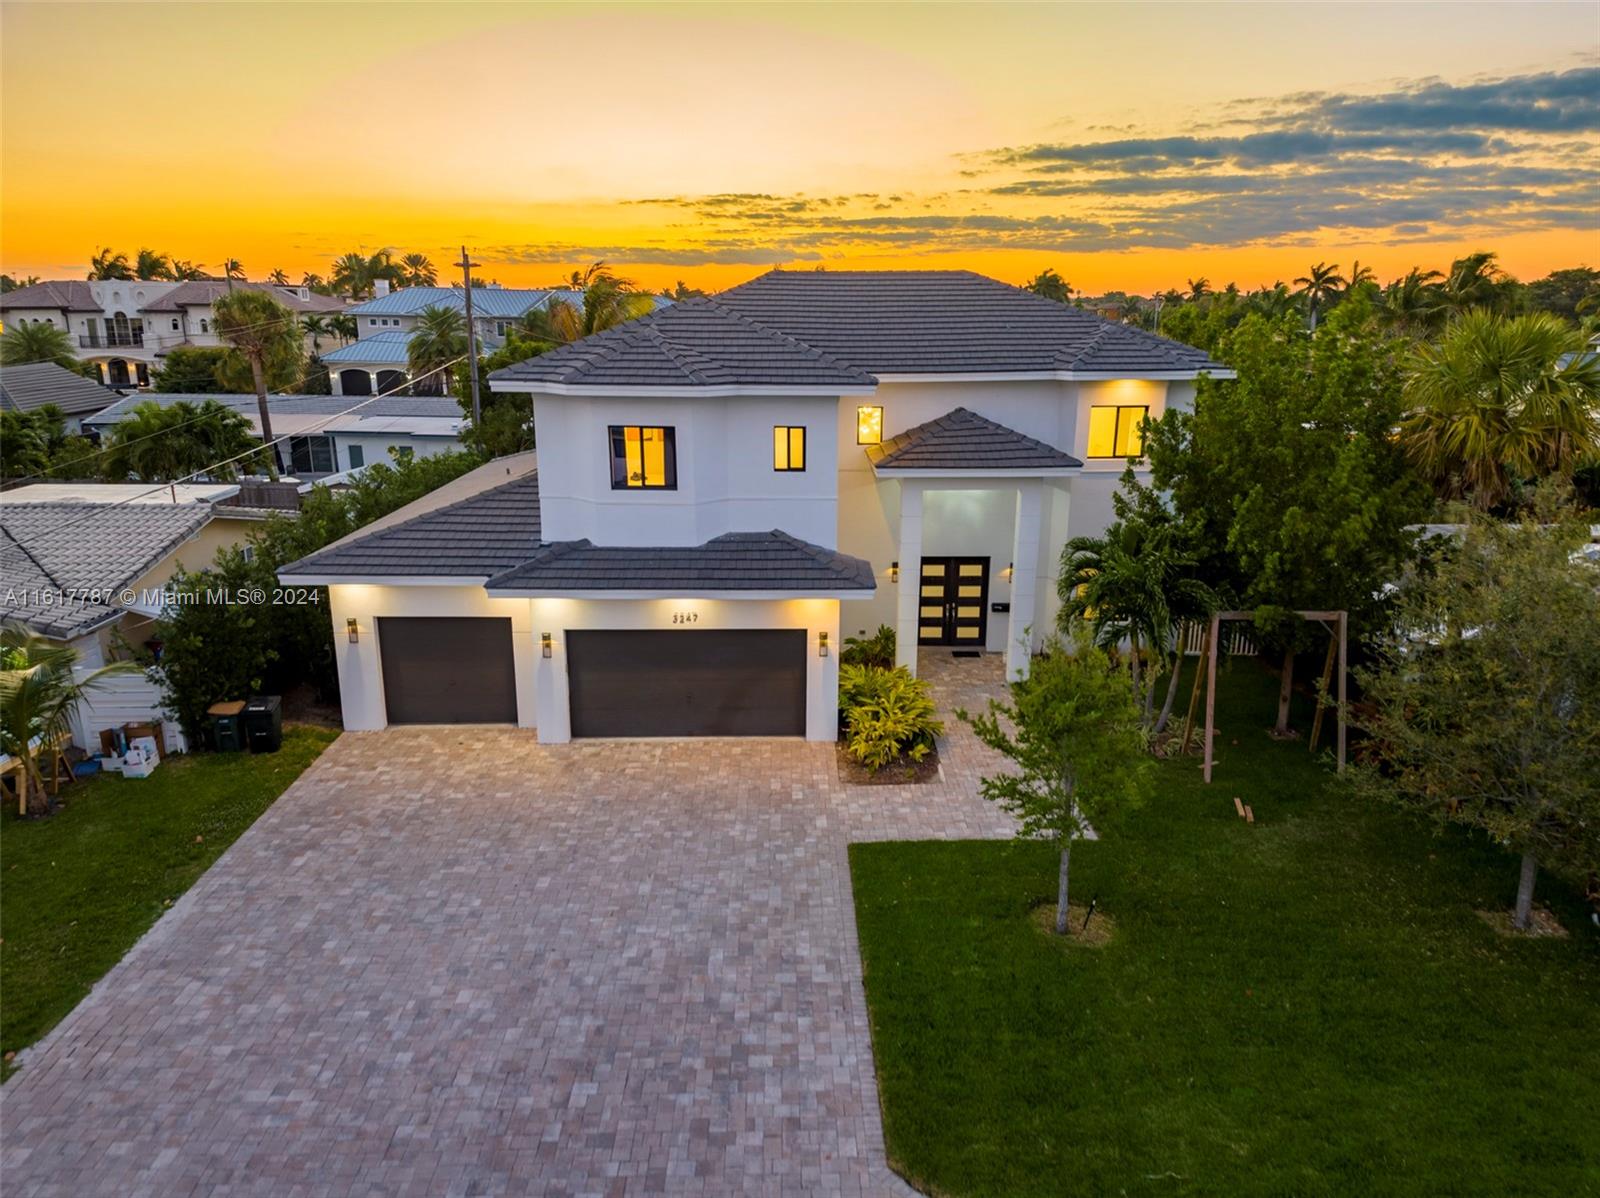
(887,714)
(875,650)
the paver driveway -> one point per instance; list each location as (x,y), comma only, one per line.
(458,962)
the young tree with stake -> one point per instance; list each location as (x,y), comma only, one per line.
(1079,746)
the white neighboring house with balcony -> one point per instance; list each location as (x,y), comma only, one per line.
(325,436)
(126,326)
(727,486)
(376,363)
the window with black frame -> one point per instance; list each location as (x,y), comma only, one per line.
(643,457)
(311,455)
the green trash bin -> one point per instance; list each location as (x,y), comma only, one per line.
(227,726)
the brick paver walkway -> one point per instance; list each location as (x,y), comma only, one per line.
(456,962)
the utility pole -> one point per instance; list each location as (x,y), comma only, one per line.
(472,341)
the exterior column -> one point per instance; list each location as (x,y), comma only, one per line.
(905,632)
(1024,577)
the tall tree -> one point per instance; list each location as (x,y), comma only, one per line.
(1048,284)
(185,271)
(1477,281)
(151,265)
(418,271)
(607,302)
(1567,293)
(1483,708)
(1413,306)
(8,283)
(1500,400)
(1199,289)
(316,327)
(267,334)
(344,326)
(277,277)
(109,264)
(1318,286)
(1291,475)
(232,268)
(357,274)
(36,341)
(1078,748)
(195,369)
(153,443)
(437,341)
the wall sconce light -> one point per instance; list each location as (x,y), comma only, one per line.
(544,644)
(894,571)
(1010,568)
(822,644)
(352,631)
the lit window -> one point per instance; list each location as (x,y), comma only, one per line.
(1114,432)
(869,425)
(788,447)
(643,457)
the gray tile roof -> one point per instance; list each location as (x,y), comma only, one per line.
(948,321)
(735,561)
(476,537)
(47,549)
(25,388)
(443,407)
(199,293)
(698,343)
(71,295)
(963,440)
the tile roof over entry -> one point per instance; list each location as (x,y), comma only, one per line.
(736,561)
(963,440)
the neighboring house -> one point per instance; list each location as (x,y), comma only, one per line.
(728,485)
(324,437)
(85,565)
(126,326)
(377,363)
(43,384)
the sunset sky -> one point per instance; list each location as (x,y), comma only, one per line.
(1127,146)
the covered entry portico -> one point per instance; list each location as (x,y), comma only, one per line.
(956,550)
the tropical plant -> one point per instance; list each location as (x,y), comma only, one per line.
(1049,285)
(37,341)
(1318,286)
(1359,276)
(9,283)
(316,327)
(875,650)
(41,689)
(1476,281)
(1483,708)
(109,264)
(357,274)
(153,443)
(1568,293)
(267,334)
(888,715)
(314,282)
(232,268)
(195,369)
(1413,306)
(1500,400)
(185,271)
(344,327)
(36,444)
(417,271)
(607,302)
(277,277)
(438,340)
(1199,289)
(1078,746)
(151,265)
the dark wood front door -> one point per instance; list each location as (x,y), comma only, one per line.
(953,602)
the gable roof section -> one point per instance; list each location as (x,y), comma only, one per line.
(199,293)
(963,440)
(50,550)
(442,407)
(476,537)
(696,345)
(757,562)
(392,347)
(950,321)
(493,302)
(71,295)
(27,388)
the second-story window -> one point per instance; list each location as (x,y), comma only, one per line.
(869,425)
(643,456)
(788,447)
(1114,431)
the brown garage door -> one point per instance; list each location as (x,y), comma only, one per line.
(447,670)
(743,682)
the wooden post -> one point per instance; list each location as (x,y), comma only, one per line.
(1322,694)
(1211,692)
(1194,691)
(1344,661)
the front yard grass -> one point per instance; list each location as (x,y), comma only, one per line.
(77,889)
(1309,1005)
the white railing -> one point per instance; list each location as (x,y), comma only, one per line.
(1236,640)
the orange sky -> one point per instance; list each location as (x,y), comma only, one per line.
(1129,146)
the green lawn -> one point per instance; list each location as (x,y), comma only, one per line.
(77,889)
(1306,1006)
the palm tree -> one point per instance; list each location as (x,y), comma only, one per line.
(437,341)
(160,444)
(40,690)
(1475,281)
(1413,305)
(418,271)
(107,264)
(36,341)
(312,281)
(356,272)
(344,327)
(263,329)
(184,270)
(151,265)
(232,268)
(1321,284)
(1049,285)
(1499,399)
(1358,275)
(316,327)
(607,302)
(277,277)
(1198,289)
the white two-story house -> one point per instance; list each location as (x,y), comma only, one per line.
(727,487)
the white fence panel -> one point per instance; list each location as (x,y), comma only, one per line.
(120,699)
(1236,639)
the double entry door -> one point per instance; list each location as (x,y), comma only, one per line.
(953,603)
